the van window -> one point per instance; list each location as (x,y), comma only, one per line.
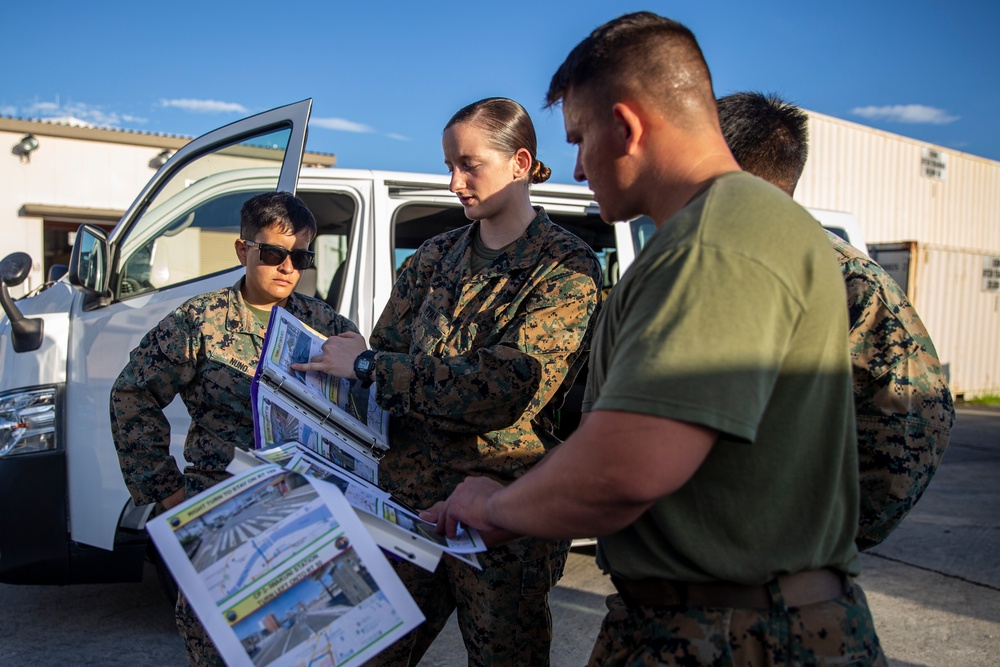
(198,243)
(841,232)
(416,223)
(336,218)
(189,227)
(642,228)
(600,236)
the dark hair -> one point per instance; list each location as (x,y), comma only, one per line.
(281,210)
(508,127)
(768,137)
(641,53)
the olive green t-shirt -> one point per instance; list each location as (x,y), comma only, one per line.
(262,315)
(482,254)
(734,317)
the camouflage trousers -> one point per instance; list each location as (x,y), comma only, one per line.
(503,610)
(836,632)
(200,649)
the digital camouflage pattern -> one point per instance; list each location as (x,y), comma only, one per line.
(903,405)
(200,649)
(206,350)
(500,629)
(837,632)
(473,367)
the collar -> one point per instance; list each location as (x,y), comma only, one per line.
(239,317)
(522,254)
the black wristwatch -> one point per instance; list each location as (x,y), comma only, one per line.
(364,366)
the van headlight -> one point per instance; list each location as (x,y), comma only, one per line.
(28,422)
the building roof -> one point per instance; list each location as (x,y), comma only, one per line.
(73,128)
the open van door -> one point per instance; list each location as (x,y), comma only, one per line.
(176,241)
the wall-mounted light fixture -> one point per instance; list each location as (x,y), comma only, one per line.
(160,159)
(25,147)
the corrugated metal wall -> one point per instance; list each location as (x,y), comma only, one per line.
(963,320)
(877,175)
(955,221)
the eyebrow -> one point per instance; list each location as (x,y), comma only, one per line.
(464,157)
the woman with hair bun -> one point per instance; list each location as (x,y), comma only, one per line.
(482,337)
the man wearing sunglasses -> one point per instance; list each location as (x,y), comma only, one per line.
(206,351)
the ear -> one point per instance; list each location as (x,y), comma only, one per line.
(241,251)
(522,163)
(629,124)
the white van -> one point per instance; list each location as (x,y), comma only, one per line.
(68,517)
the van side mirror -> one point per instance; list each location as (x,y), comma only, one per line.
(27,333)
(88,266)
(14,268)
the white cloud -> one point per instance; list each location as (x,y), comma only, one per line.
(79,113)
(101,117)
(205,106)
(42,107)
(906,113)
(8,110)
(397,137)
(340,125)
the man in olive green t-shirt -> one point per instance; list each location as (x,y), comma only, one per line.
(716,460)
(755,352)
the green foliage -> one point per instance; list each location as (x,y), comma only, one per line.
(985,399)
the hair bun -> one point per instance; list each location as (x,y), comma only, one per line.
(539,172)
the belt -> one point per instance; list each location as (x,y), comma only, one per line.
(797,590)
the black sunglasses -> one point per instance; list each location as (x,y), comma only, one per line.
(274,255)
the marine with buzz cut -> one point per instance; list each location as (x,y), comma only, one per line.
(902,402)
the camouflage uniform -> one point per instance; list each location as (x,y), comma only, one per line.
(474,368)
(901,397)
(781,635)
(206,350)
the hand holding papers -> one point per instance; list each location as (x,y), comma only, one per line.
(281,571)
(397,529)
(335,417)
(282,562)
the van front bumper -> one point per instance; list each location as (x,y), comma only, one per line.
(34,529)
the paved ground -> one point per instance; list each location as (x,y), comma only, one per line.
(934,588)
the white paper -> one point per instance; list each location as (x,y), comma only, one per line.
(346,401)
(281,571)
(280,421)
(377,502)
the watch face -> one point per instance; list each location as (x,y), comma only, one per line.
(364,364)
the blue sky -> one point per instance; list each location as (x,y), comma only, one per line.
(386,76)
